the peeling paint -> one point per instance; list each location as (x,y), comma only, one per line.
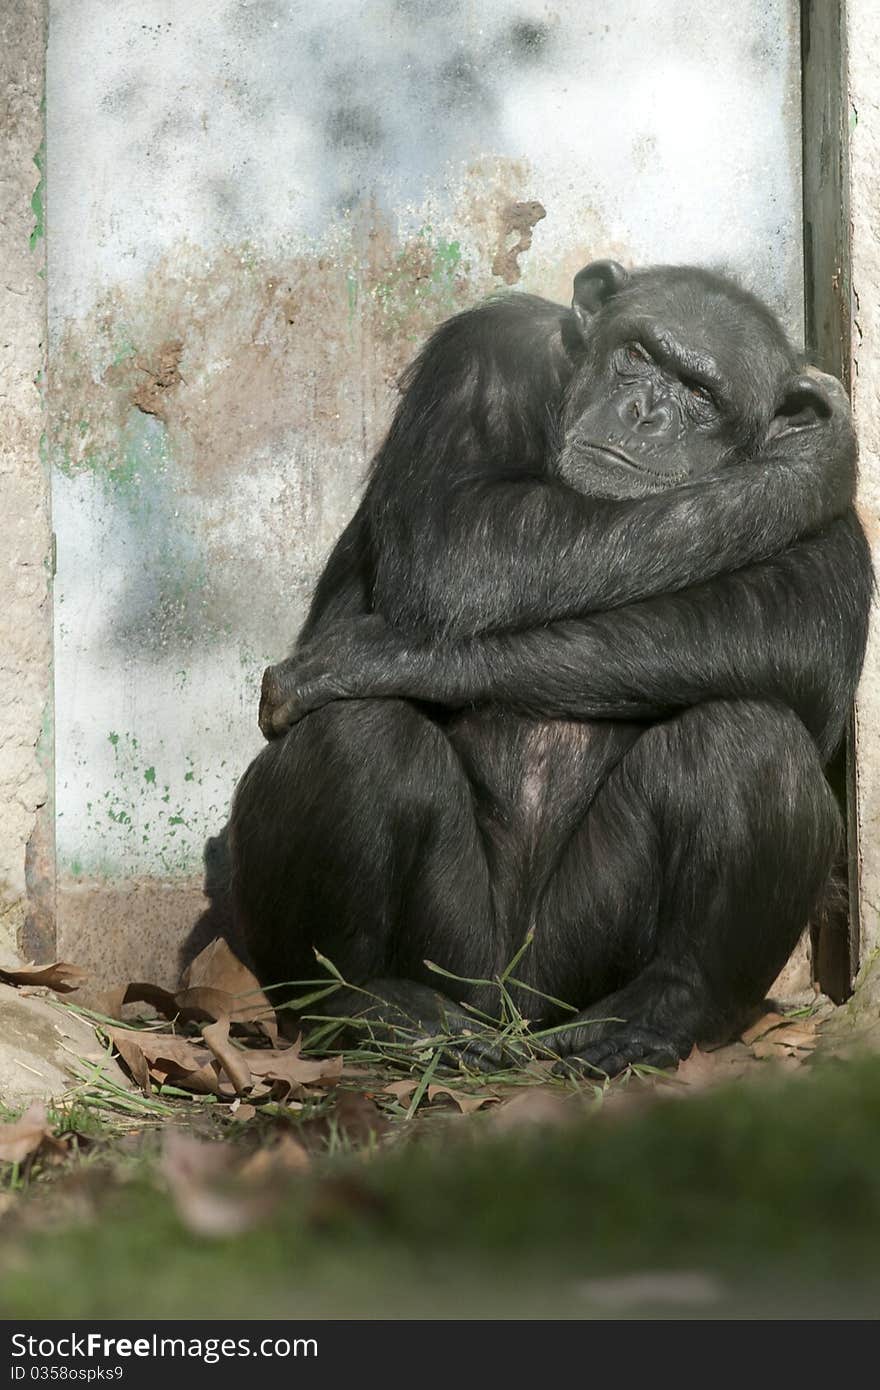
(518,220)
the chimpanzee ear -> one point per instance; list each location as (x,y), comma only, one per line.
(807,402)
(593,285)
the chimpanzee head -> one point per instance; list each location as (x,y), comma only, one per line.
(680,373)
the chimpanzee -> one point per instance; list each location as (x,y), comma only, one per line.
(573,669)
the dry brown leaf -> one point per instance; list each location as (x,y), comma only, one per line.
(59,976)
(534,1105)
(291,1155)
(218,968)
(287,1156)
(162,1000)
(198,1177)
(765,1049)
(699,1068)
(27,1135)
(354,1117)
(132,1054)
(241,1111)
(358,1118)
(285,1065)
(760,1027)
(168,1058)
(232,1059)
(401,1090)
(779,1032)
(212,1065)
(466,1101)
(802,1034)
(207,1002)
(107,1001)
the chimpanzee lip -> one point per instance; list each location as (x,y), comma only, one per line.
(665,474)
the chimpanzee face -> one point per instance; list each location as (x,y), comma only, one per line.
(679,377)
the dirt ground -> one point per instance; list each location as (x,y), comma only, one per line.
(195,1164)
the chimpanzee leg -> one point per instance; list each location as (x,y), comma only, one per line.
(730,801)
(354,835)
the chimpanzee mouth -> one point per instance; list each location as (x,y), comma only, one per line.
(667,476)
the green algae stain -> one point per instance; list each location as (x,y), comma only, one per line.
(426,283)
(150,775)
(132,465)
(38,199)
(447,259)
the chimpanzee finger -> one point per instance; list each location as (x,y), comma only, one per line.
(285,716)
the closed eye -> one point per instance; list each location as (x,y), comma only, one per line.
(636,353)
(698,392)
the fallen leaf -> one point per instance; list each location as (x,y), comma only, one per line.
(163,1001)
(801,1034)
(287,1156)
(132,1054)
(107,1001)
(217,967)
(168,1058)
(765,1049)
(354,1118)
(60,976)
(402,1090)
(199,1177)
(241,1111)
(534,1105)
(698,1068)
(466,1102)
(285,1065)
(358,1118)
(26,1136)
(232,1059)
(760,1027)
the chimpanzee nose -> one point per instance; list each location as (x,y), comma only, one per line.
(643,414)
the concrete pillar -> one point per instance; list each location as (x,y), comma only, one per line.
(863,96)
(26,837)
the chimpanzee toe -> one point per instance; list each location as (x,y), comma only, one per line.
(622,1048)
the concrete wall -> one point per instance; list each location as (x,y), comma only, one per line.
(26,856)
(863,43)
(259,210)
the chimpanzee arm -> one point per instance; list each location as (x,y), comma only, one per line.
(510,556)
(791,629)
(471,532)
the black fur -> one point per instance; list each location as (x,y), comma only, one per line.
(575,665)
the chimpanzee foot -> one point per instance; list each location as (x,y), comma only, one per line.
(409,1016)
(473,1054)
(620,1048)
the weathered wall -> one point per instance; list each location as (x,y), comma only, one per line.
(25,537)
(259,209)
(863,43)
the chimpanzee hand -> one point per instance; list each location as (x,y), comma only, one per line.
(349,661)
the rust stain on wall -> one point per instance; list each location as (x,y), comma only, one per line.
(233,355)
(151,396)
(517,220)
